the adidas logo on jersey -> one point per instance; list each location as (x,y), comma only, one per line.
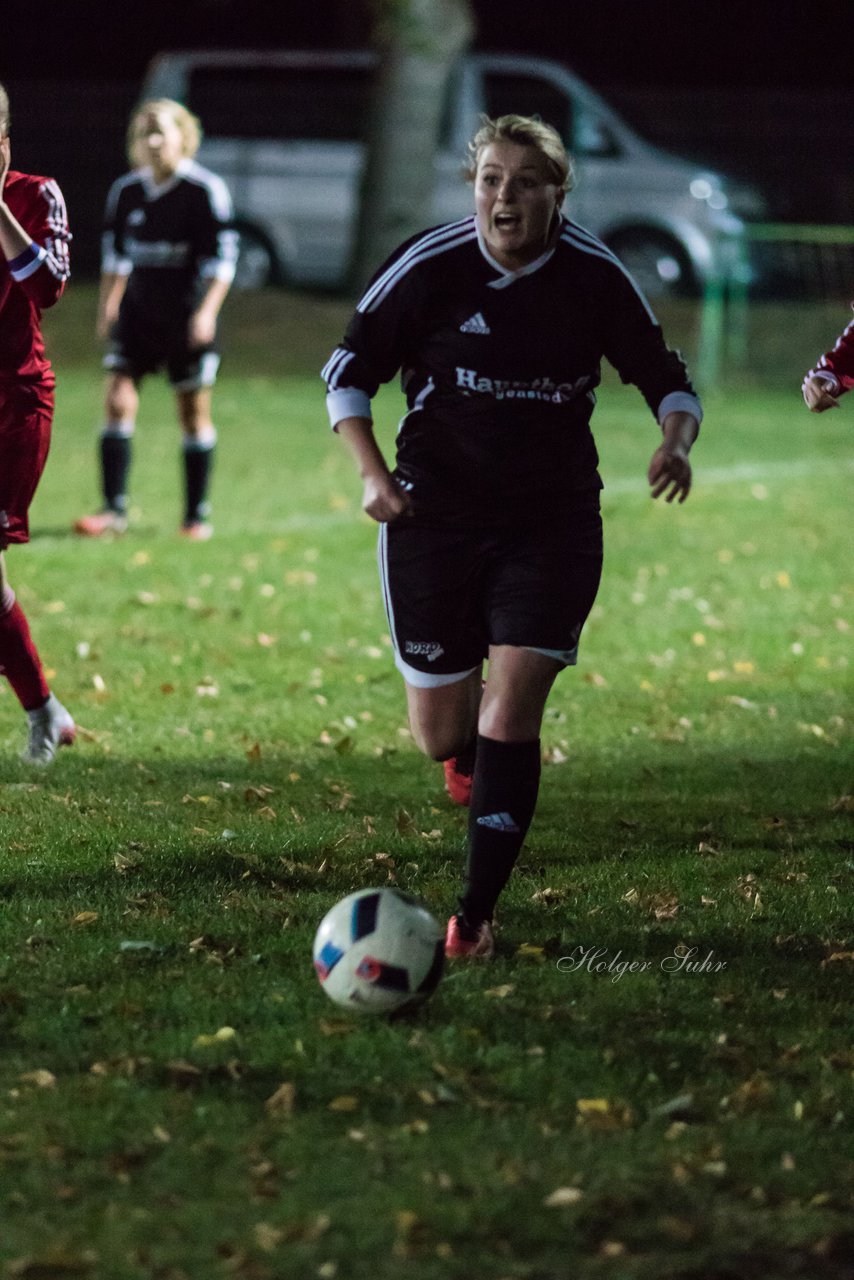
(498,822)
(475,324)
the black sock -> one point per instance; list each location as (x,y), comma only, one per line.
(465,759)
(503,800)
(198,464)
(115,465)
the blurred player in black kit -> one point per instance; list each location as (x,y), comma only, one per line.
(491,541)
(168,260)
(34,268)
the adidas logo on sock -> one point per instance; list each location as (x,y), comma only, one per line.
(475,324)
(498,822)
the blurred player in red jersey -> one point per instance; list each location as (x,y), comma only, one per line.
(33,270)
(832,376)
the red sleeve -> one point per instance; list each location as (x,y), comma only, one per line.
(839,361)
(43,269)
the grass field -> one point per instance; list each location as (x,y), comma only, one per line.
(180,1100)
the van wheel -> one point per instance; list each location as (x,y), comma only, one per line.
(658,263)
(256,266)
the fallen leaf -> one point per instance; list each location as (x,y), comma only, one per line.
(500,993)
(562,1197)
(222,1036)
(549,895)
(603,1114)
(347,1102)
(85,917)
(753,1094)
(41,1078)
(281,1103)
(267,1237)
(182,1073)
(528,951)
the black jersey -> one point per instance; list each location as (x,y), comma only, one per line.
(170,239)
(499,368)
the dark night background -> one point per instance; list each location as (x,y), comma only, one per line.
(760,90)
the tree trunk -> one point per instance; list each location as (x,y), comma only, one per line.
(419,41)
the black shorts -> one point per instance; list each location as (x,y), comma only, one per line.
(450,593)
(135,350)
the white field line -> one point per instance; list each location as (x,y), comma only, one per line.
(744,472)
(740,472)
(704,478)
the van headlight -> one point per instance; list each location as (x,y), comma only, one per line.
(705,188)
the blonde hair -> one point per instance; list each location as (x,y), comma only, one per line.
(189,125)
(4,111)
(525,131)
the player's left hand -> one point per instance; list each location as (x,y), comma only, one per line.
(670,473)
(202,329)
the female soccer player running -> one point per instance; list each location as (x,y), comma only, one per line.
(34,267)
(168,261)
(490,541)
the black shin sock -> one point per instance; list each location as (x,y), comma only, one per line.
(198,464)
(504,796)
(115,465)
(465,759)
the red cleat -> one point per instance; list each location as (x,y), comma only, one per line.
(469,944)
(196,531)
(99,524)
(457,785)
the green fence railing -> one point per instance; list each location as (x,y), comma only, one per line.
(726,299)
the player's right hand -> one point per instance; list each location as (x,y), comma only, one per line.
(818,394)
(5,160)
(384,500)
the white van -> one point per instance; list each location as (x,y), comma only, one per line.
(284,130)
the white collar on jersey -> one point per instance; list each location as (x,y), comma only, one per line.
(507,277)
(154,189)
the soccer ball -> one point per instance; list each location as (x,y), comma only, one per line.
(378,950)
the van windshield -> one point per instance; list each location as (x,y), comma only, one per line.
(281,102)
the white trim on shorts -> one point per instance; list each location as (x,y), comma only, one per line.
(208,366)
(429,679)
(566,657)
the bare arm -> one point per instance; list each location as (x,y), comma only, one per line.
(202,329)
(383,499)
(111,292)
(14,240)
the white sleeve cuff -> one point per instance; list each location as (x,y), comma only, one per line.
(217,269)
(680,402)
(348,403)
(834,386)
(28,262)
(112,265)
